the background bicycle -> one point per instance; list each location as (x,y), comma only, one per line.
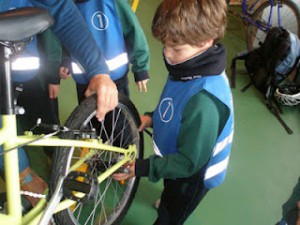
(260,15)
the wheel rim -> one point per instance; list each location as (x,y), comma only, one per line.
(118,129)
(289,21)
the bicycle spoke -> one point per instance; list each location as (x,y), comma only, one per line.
(112,199)
(283,14)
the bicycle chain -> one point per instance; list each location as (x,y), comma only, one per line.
(32,194)
(35,195)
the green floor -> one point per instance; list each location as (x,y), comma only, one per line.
(264,164)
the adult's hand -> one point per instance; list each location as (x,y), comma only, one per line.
(107,94)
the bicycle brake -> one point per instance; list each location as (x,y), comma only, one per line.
(19,110)
(56,127)
(79,182)
(85,134)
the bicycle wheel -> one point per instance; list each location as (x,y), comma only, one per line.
(285,11)
(112,198)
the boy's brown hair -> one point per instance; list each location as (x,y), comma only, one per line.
(189,21)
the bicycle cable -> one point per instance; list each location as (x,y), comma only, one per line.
(148,132)
(29,142)
(58,130)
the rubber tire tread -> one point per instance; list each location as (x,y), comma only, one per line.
(292,5)
(60,157)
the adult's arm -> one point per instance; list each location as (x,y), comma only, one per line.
(72,31)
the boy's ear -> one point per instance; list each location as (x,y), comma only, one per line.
(208,43)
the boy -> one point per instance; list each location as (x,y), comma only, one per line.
(118,34)
(193,122)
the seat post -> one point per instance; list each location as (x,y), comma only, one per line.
(7,100)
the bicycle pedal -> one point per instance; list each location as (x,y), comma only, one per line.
(79,182)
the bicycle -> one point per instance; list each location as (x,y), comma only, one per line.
(81,188)
(260,16)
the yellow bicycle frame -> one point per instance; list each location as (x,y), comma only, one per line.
(10,139)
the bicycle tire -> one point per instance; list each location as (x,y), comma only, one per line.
(290,20)
(114,198)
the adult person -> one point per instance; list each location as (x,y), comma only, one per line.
(73,33)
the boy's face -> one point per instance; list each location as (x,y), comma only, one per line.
(175,54)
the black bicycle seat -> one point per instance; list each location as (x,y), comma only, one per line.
(23,23)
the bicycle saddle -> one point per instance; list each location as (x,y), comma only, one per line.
(23,23)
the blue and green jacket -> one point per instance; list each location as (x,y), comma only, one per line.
(102,19)
(167,120)
(193,122)
(118,35)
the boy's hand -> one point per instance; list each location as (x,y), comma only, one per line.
(107,94)
(128,175)
(142,85)
(53,90)
(64,72)
(146,121)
